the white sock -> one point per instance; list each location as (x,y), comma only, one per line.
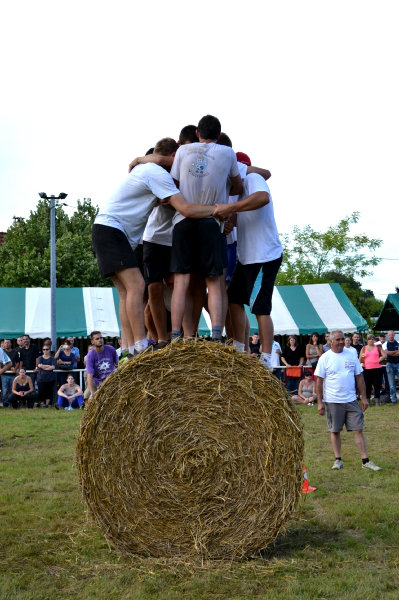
(239,346)
(131,349)
(141,345)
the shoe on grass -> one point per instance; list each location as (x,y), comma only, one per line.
(338,464)
(371,466)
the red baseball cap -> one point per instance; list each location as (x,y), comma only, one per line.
(243,158)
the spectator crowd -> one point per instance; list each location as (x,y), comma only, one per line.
(33,377)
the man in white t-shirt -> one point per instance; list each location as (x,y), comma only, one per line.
(335,374)
(117,231)
(258,247)
(201,171)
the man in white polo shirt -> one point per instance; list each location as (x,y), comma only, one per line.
(335,374)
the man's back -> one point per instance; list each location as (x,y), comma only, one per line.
(202,171)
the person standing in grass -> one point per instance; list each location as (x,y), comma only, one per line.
(336,372)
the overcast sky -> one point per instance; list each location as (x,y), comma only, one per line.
(306,88)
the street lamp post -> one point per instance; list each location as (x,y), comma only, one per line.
(53,265)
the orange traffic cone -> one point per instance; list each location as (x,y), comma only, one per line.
(306,488)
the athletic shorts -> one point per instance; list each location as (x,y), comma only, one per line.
(243,281)
(349,414)
(112,250)
(156,259)
(197,248)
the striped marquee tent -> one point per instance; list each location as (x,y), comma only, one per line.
(296,310)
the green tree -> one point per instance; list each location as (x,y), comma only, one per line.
(25,252)
(333,256)
(310,254)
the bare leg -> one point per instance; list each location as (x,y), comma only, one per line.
(198,291)
(214,300)
(237,315)
(266,332)
(360,442)
(247,329)
(336,443)
(149,323)
(130,285)
(182,281)
(127,333)
(158,310)
(225,301)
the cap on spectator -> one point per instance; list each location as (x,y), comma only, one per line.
(243,158)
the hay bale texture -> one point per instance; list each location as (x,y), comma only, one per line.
(192,451)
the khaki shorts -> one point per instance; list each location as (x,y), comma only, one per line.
(349,414)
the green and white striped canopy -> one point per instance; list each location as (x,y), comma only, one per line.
(296,310)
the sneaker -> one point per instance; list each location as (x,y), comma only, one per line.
(311,404)
(338,464)
(371,466)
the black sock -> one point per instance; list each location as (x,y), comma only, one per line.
(365,460)
(338,458)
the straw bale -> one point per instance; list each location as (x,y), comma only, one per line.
(192,451)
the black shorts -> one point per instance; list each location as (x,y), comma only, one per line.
(243,281)
(156,259)
(112,249)
(197,247)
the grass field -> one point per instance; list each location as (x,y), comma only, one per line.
(344,544)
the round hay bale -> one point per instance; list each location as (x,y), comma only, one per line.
(193,451)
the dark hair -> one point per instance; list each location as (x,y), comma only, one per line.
(149,151)
(93,333)
(224,140)
(209,128)
(316,334)
(308,374)
(166,146)
(188,135)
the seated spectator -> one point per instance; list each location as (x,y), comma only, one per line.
(23,392)
(306,390)
(313,350)
(70,395)
(292,357)
(46,376)
(65,360)
(254,345)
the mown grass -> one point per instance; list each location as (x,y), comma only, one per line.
(343,545)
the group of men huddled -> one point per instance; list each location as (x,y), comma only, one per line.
(183,202)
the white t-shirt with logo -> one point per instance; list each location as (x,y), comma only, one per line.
(257,235)
(202,171)
(338,369)
(130,206)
